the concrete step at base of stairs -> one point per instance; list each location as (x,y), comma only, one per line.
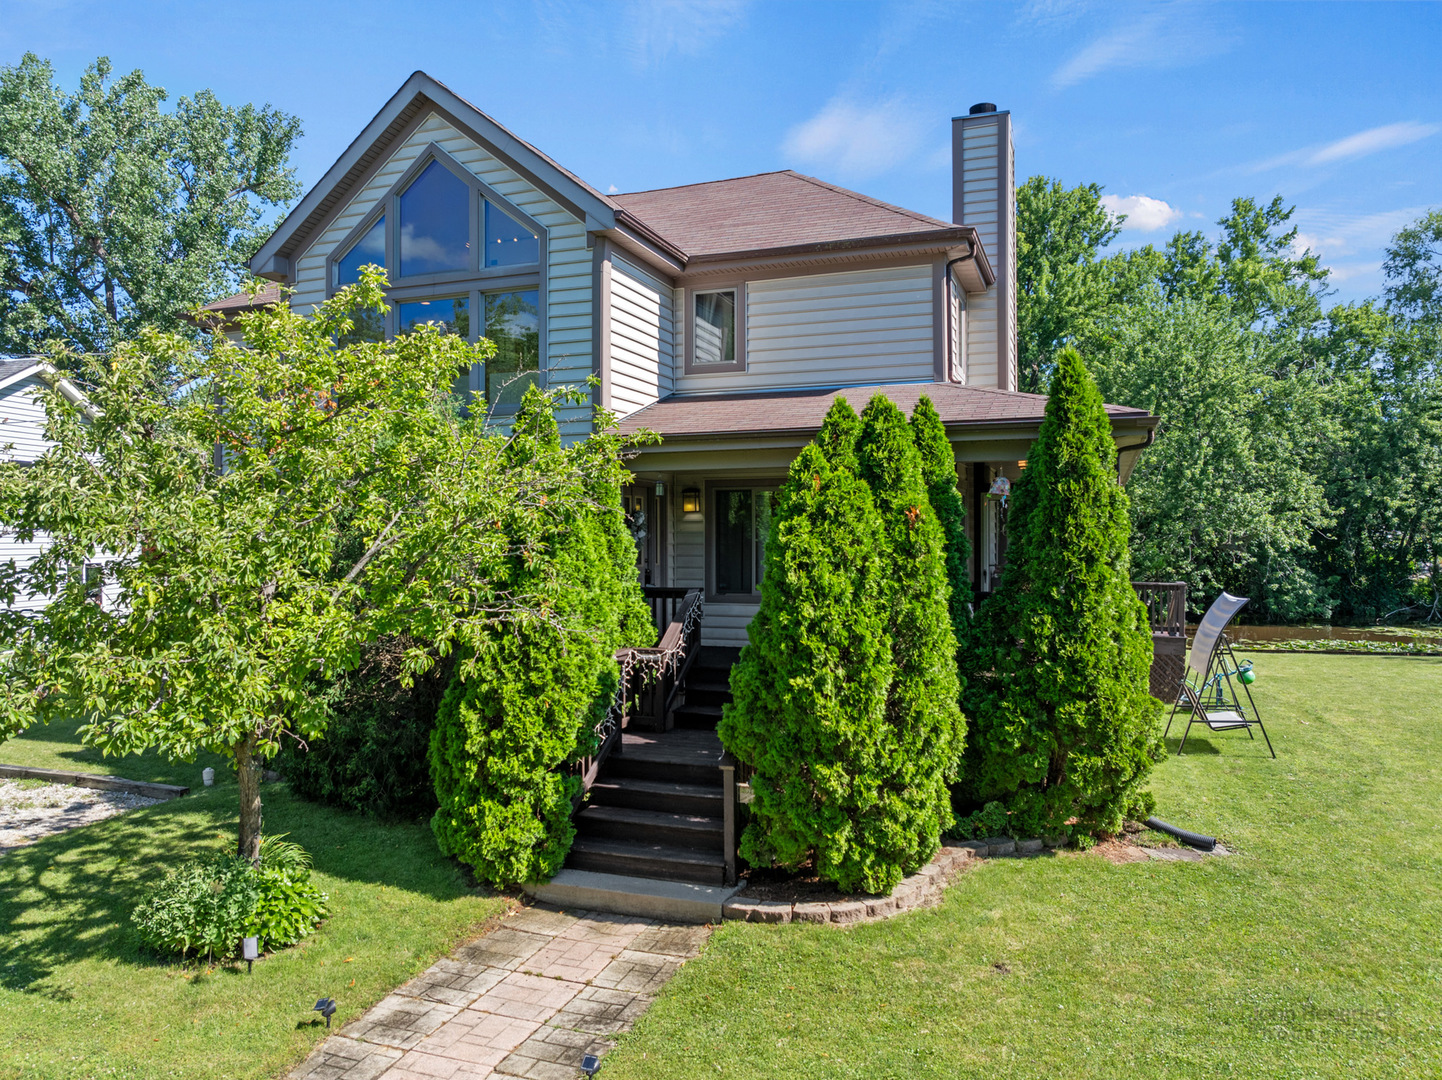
(647,898)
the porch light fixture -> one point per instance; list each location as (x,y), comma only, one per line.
(660,489)
(691,501)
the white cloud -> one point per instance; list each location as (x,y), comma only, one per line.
(1371,141)
(1351,271)
(857,140)
(1362,144)
(657,29)
(1331,235)
(613,189)
(1144,214)
(1151,38)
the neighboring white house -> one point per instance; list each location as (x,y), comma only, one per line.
(22,439)
(724,315)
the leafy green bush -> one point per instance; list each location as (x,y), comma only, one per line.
(527,703)
(207,906)
(290,905)
(991,820)
(373,758)
(201,907)
(1062,722)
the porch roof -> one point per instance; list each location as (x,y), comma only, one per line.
(800,412)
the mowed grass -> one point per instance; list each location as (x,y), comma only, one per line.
(1314,951)
(78,997)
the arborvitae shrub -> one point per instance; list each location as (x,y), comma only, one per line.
(809,708)
(531,702)
(924,723)
(938,470)
(1062,723)
(374,758)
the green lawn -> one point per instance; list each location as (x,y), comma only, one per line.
(77,999)
(1314,951)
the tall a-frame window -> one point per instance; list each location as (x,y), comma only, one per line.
(460,255)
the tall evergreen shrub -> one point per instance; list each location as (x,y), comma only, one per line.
(809,708)
(925,728)
(511,721)
(938,470)
(1062,723)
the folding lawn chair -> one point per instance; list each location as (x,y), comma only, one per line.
(1211,697)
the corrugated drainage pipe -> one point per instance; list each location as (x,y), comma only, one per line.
(1191,839)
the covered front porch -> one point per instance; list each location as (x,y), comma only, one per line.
(701,500)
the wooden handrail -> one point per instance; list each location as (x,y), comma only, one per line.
(652,678)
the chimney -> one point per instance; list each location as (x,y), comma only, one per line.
(983,195)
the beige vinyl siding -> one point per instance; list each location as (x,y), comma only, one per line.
(981,152)
(842,329)
(568,270)
(981,339)
(642,344)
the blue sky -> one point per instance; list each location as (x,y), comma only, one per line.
(1173,108)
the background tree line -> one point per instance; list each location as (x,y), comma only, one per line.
(1297,458)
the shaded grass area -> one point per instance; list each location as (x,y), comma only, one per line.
(1311,952)
(57,746)
(78,998)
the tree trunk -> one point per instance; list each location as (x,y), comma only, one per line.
(248,771)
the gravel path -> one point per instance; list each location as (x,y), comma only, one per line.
(31,812)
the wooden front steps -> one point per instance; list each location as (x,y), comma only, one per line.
(655,810)
(707,689)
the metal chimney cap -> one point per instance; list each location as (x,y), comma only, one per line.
(982,107)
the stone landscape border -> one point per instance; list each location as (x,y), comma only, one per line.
(98,783)
(922,889)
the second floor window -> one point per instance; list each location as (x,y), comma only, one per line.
(716,327)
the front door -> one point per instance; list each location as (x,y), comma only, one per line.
(645,518)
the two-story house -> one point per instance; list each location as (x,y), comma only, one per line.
(725,316)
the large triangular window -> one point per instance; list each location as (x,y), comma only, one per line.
(452,247)
(435,230)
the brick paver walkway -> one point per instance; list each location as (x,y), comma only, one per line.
(530,999)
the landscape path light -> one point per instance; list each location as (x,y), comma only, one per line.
(250,952)
(326,1007)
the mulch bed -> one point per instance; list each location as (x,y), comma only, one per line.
(798,887)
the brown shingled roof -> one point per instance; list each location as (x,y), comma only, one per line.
(768,210)
(245,301)
(801,411)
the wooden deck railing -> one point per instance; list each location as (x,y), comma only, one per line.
(652,679)
(1166,604)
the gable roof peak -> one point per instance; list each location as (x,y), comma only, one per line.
(419,94)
